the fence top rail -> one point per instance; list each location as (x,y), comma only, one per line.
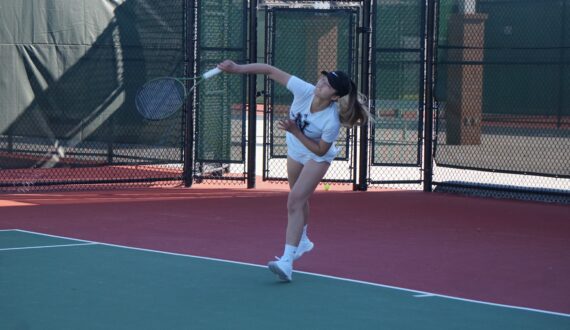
(309,4)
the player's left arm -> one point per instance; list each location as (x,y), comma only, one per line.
(318,147)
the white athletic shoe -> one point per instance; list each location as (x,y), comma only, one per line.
(282,268)
(304,246)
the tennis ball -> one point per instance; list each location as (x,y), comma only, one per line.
(327,186)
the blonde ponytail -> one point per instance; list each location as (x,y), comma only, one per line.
(353,109)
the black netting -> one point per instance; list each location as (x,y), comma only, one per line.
(68,106)
(502,91)
(69,77)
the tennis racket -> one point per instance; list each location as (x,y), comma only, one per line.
(162,97)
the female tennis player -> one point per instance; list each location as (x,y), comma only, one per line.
(315,118)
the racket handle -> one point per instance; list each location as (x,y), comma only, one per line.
(211,73)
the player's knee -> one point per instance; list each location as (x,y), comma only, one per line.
(295,203)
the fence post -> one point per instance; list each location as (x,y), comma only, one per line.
(190,44)
(562,67)
(252,104)
(364,86)
(428,96)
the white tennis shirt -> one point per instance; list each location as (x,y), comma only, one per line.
(322,125)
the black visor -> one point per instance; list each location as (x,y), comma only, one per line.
(339,81)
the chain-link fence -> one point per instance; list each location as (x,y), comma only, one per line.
(67,88)
(502,84)
(305,42)
(502,90)
(220,108)
(397,89)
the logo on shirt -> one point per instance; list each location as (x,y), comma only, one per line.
(301,121)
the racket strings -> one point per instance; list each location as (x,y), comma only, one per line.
(161,98)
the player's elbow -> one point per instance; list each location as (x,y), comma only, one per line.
(323,148)
(321,152)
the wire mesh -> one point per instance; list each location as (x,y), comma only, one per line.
(67,91)
(502,91)
(305,42)
(220,116)
(69,115)
(397,94)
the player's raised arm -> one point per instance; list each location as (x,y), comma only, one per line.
(270,71)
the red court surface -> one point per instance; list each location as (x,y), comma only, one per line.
(500,251)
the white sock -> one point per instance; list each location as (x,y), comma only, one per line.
(304,236)
(289,252)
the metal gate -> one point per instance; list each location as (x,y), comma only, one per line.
(220,104)
(304,42)
(397,93)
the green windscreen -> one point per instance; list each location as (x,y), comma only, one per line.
(221,112)
(69,73)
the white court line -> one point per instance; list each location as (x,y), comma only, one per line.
(46,246)
(421,293)
(9,229)
(426,295)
